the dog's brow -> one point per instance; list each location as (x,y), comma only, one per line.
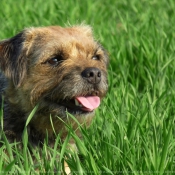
(97,49)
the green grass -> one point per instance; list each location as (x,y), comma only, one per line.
(134,129)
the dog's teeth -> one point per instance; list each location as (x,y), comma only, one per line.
(77,103)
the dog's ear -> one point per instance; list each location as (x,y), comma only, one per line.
(13,59)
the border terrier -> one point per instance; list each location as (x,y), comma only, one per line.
(60,69)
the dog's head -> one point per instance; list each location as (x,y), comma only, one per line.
(62,69)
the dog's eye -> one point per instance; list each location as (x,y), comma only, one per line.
(55,60)
(96,57)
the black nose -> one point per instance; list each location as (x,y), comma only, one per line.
(92,75)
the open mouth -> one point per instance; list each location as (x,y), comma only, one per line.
(88,103)
(81,104)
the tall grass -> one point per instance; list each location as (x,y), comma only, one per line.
(133,132)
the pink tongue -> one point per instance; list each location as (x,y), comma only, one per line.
(89,103)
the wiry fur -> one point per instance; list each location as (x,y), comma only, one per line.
(27,79)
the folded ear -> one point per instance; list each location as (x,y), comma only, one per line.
(13,59)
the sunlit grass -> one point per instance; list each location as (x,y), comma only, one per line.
(133,132)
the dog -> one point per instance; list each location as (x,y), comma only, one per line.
(62,70)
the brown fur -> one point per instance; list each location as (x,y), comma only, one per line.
(27,78)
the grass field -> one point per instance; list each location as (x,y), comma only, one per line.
(134,128)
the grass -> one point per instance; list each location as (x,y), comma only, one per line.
(133,132)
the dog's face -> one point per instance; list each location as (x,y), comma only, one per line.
(62,69)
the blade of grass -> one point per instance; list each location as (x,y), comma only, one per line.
(165,147)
